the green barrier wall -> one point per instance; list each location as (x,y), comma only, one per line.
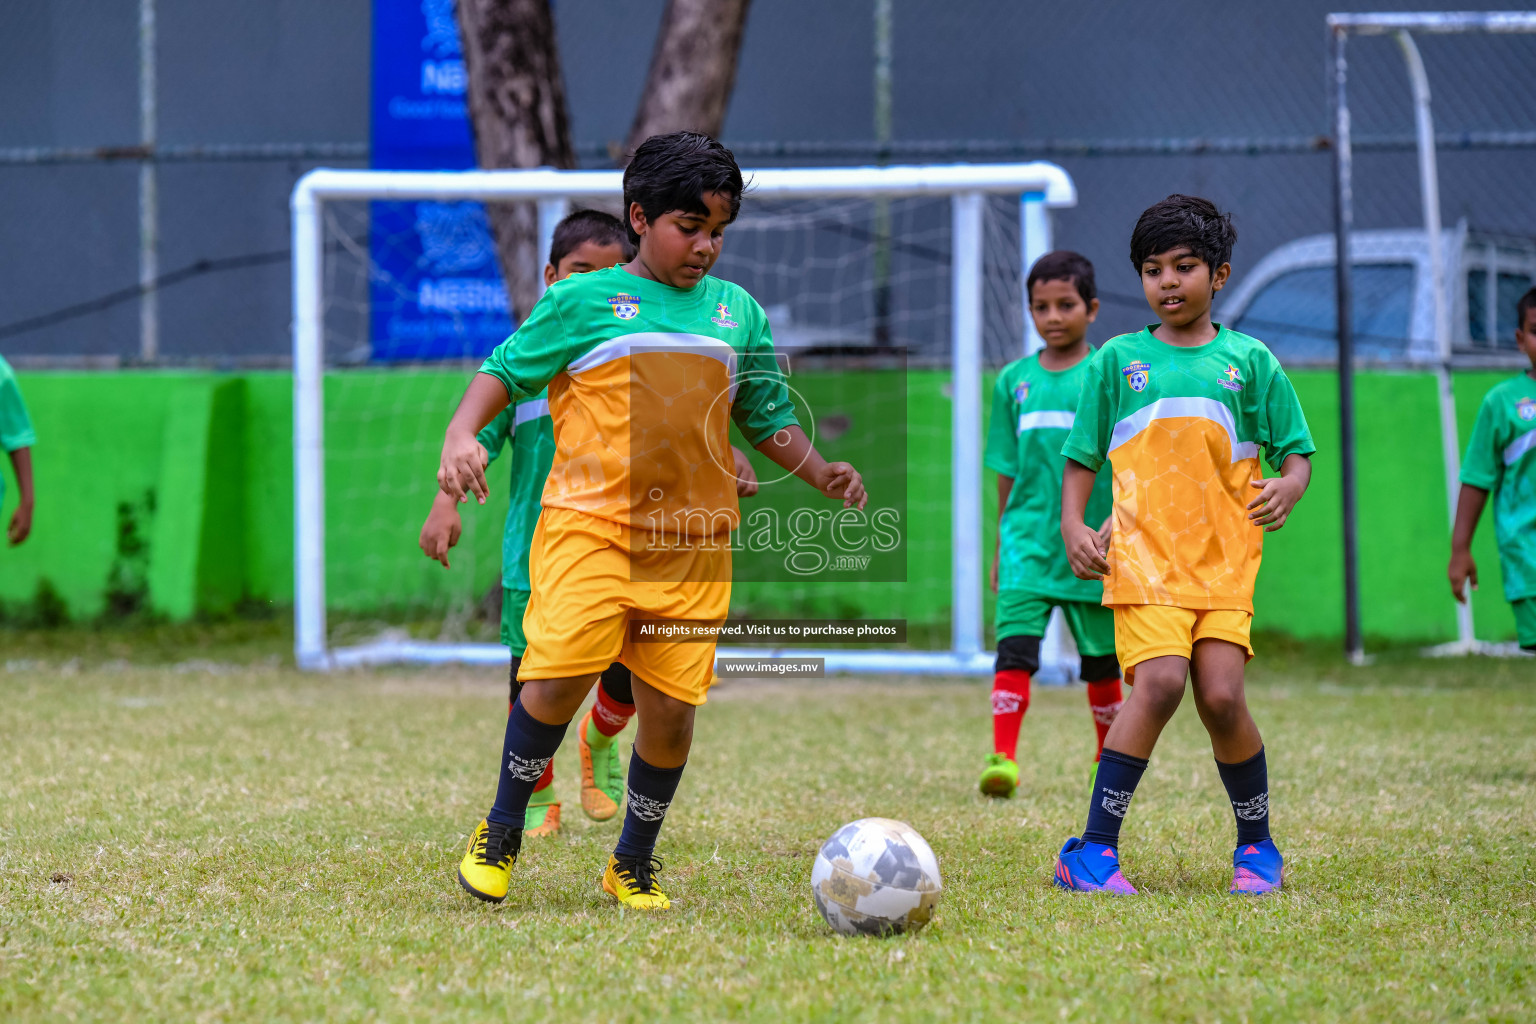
(215,452)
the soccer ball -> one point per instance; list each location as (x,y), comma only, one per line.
(876,876)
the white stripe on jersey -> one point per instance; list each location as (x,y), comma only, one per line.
(530,410)
(1524,443)
(1184,408)
(1044,421)
(658,341)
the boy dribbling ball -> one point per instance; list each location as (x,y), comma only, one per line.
(1033,404)
(646,365)
(1501,461)
(1181,411)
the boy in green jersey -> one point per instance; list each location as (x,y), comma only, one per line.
(1501,458)
(584,241)
(1180,411)
(17,438)
(1032,409)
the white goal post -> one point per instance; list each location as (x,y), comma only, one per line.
(1039,185)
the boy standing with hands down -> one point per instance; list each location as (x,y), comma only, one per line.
(644,362)
(1032,411)
(1181,411)
(1501,460)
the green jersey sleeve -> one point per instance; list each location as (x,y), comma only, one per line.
(15,425)
(1094,421)
(493,437)
(1002,455)
(762,406)
(536,353)
(1484,464)
(1284,427)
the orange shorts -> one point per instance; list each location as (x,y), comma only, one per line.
(1144,631)
(584,573)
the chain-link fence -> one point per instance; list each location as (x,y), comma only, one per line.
(1228,101)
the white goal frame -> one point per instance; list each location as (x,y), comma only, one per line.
(1040,186)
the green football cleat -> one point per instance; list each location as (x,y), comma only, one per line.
(1001,776)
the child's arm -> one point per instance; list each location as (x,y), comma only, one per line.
(1279,494)
(746,476)
(1083,552)
(790,449)
(1004,488)
(21,521)
(461,470)
(1463,570)
(442,529)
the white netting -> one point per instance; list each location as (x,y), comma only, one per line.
(858,293)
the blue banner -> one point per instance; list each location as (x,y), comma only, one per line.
(436,290)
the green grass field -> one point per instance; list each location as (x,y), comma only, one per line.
(215,841)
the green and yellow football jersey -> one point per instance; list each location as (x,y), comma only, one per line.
(1181,428)
(643,382)
(15,425)
(1501,458)
(1032,413)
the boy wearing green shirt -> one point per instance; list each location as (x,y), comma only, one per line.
(1501,459)
(17,438)
(1033,404)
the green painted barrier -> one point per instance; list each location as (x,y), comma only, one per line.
(174,491)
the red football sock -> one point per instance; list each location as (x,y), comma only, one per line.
(548,778)
(1104,701)
(609,717)
(1010,699)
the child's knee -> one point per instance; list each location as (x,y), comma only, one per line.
(1160,687)
(1222,705)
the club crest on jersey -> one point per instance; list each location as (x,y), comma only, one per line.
(1137,375)
(625,307)
(723,316)
(1021,391)
(1526,407)
(1233,381)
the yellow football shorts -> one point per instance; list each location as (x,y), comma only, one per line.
(1144,631)
(590,577)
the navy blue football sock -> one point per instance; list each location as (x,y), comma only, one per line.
(1247,785)
(1113,787)
(526,753)
(650,794)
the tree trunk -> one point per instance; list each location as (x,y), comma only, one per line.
(517,109)
(693,70)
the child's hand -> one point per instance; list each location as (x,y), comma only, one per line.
(746,476)
(841,480)
(1462,570)
(1083,551)
(1106,533)
(441,531)
(1277,496)
(462,469)
(21,524)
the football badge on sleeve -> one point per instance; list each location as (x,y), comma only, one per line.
(1526,408)
(1021,392)
(1137,375)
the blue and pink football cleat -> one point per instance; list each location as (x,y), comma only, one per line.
(1091,867)
(1256,868)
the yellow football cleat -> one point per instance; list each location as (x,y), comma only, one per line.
(486,870)
(632,881)
(602,785)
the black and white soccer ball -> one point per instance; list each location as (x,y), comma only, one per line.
(876,876)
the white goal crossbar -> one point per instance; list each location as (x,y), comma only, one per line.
(1040,185)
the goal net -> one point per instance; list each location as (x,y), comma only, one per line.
(893,294)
